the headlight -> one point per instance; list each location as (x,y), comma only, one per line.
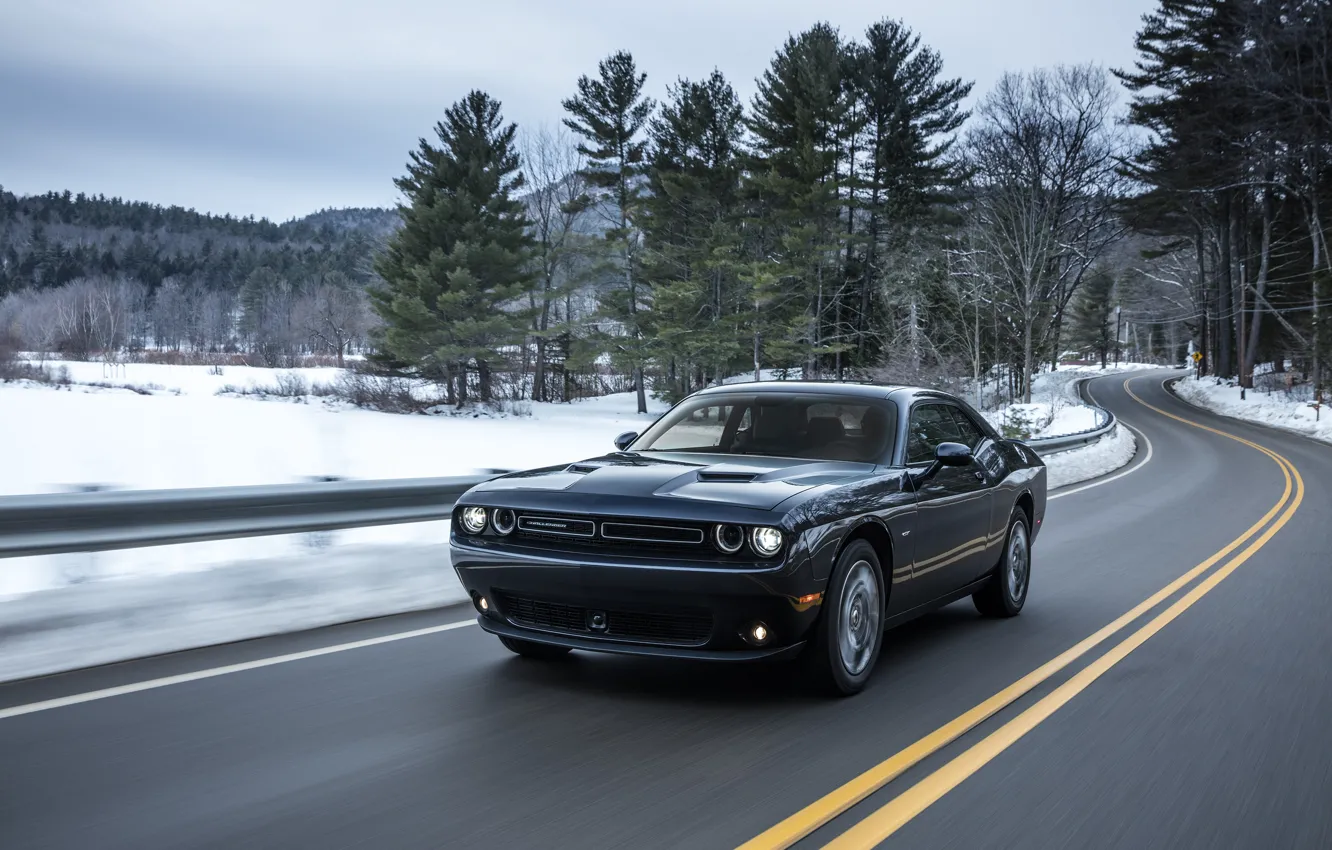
(474,520)
(504,520)
(729,538)
(766,541)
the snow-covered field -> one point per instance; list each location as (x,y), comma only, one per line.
(174,430)
(1275,409)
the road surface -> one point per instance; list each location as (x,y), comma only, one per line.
(1203,725)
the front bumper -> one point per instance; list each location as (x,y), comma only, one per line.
(657,609)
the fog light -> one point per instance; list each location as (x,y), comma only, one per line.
(482,604)
(485,606)
(758,634)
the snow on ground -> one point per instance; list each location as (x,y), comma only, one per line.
(1055,408)
(54,440)
(68,611)
(1100,458)
(1278,409)
(102,622)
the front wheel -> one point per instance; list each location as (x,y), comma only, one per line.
(531,649)
(1006,592)
(850,632)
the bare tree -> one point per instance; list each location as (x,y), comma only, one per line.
(553,167)
(335,313)
(1045,156)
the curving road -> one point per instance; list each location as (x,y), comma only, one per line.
(1206,721)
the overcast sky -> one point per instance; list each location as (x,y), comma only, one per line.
(280,107)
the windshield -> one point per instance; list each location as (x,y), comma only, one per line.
(814,426)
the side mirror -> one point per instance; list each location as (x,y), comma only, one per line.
(623,441)
(947,454)
(952,454)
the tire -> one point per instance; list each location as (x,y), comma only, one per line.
(1006,592)
(849,635)
(531,649)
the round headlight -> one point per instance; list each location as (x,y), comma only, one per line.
(766,541)
(504,520)
(729,538)
(474,520)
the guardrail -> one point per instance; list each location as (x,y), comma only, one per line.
(60,523)
(1052,445)
(95,520)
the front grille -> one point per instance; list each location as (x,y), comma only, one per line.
(681,628)
(651,533)
(574,533)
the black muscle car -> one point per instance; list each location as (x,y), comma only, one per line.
(765,520)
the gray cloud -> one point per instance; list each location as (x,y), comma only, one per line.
(280,108)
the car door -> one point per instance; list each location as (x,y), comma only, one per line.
(990,463)
(954,506)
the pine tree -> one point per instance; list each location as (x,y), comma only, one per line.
(611,114)
(455,271)
(690,226)
(1092,313)
(799,123)
(911,119)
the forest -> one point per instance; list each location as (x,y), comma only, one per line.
(864,216)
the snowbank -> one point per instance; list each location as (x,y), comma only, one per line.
(1056,409)
(84,625)
(1100,458)
(1276,409)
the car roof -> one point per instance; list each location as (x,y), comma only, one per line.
(842,388)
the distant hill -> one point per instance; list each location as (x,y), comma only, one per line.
(48,240)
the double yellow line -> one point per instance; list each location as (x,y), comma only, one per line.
(886,820)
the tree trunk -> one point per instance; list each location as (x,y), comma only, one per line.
(1028,360)
(483,379)
(642,390)
(1264,265)
(1225,289)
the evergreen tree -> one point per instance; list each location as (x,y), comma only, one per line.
(690,226)
(611,114)
(1093,311)
(454,272)
(911,119)
(799,123)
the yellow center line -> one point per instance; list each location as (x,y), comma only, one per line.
(828,807)
(871,831)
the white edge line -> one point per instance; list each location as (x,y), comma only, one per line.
(166,681)
(1129,471)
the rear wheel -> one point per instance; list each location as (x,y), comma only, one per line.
(531,649)
(1006,592)
(850,632)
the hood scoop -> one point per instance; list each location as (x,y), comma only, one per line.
(582,468)
(726,477)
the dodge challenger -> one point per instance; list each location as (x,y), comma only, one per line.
(771,520)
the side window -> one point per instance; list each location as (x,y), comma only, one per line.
(930,425)
(971,433)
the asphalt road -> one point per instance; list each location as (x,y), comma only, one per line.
(1215,731)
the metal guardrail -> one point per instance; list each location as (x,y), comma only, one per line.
(94,520)
(59,523)
(1052,445)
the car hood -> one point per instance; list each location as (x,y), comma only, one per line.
(741,481)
